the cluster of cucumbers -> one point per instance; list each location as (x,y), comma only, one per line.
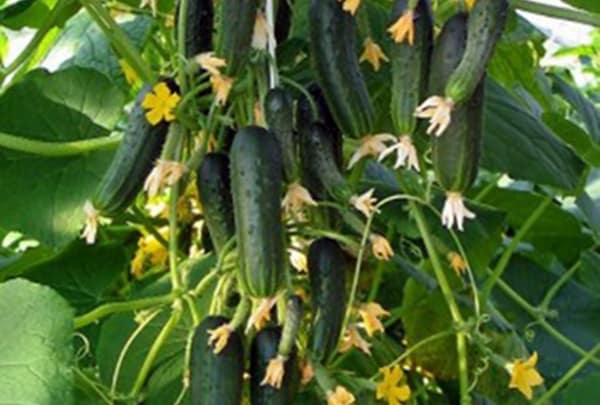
(241,187)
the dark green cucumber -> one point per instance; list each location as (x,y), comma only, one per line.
(327,273)
(141,146)
(319,159)
(212,180)
(410,67)
(256,184)
(486,24)
(216,378)
(335,63)
(283,21)
(235,33)
(456,153)
(264,348)
(198,26)
(279,114)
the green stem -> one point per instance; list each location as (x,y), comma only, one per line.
(119,39)
(107,309)
(507,255)
(580,16)
(58,149)
(557,286)
(544,399)
(461,342)
(156,346)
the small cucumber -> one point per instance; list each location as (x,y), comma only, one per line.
(235,30)
(264,348)
(327,273)
(335,63)
(216,378)
(486,24)
(256,184)
(410,67)
(198,26)
(141,146)
(213,183)
(279,114)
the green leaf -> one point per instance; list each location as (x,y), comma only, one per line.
(83,44)
(590,5)
(590,208)
(25,13)
(83,274)
(585,108)
(41,196)
(589,273)
(519,144)
(36,351)
(584,391)
(575,137)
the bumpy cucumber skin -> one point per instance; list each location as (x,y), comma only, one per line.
(486,24)
(327,274)
(216,378)
(141,146)
(236,28)
(198,26)
(256,184)
(335,63)
(264,348)
(293,319)
(279,114)
(212,180)
(318,155)
(456,153)
(410,67)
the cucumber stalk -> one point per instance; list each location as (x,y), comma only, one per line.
(219,337)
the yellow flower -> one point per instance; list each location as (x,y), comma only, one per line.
(150,252)
(341,396)
(295,200)
(298,260)
(219,337)
(523,375)
(160,103)
(371,145)
(392,388)
(221,86)
(352,338)
(130,76)
(350,5)
(365,203)
(405,151)
(373,54)
(404,28)
(457,263)
(164,173)
(370,314)
(381,247)
(470,4)
(307,373)
(209,62)
(439,111)
(262,314)
(263,33)
(92,219)
(275,372)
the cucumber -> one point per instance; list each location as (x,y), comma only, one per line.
(198,26)
(279,114)
(327,273)
(216,378)
(456,154)
(335,63)
(264,348)
(213,183)
(283,20)
(235,29)
(486,24)
(141,146)
(319,157)
(256,184)
(293,319)
(410,67)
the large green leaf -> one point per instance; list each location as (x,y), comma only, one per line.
(42,196)
(36,351)
(518,143)
(587,111)
(575,137)
(83,44)
(590,5)
(584,391)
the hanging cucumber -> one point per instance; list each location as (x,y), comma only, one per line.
(327,273)
(485,26)
(216,378)
(279,114)
(198,26)
(213,183)
(235,33)
(335,62)
(264,348)
(256,184)
(456,154)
